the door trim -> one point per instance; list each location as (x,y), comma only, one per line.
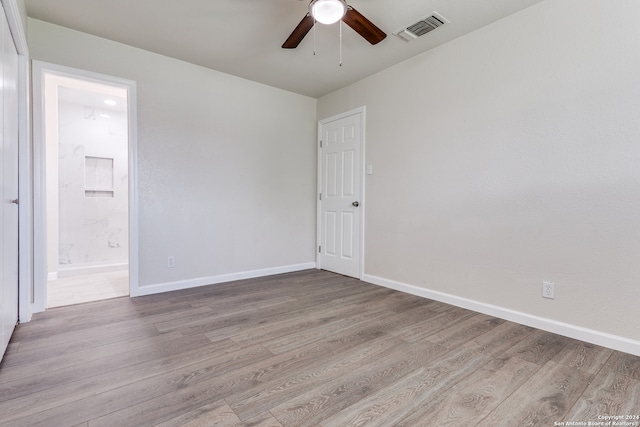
(39,161)
(25,217)
(361,112)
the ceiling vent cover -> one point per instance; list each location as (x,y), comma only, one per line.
(422,27)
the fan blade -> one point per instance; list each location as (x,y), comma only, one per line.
(363,26)
(299,32)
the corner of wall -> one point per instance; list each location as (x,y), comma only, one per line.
(222,278)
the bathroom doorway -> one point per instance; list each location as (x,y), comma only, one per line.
(87,190)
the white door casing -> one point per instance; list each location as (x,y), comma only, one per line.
(340,187)
(45,74)
(9,184)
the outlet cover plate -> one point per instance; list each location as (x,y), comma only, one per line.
(548,290)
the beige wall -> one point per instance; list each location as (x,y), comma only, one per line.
(226,166)
(511,156)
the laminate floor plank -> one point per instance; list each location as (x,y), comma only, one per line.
(424,328)
(318,404)
(232,314)
(86,315)
(243,317)
(241,379)
(540,347)
(610,393)
(303,349)
(237,293)
(383,320)
(292,322)
(300,337)
(499,340)
(262,420)
(263,326)
(460,333)
(66,354)
(24,381)
(84,342)
(583,356)
(175,312)
(279,390)
(396,400)
(625,364)
(97,396)
(89,337)
(180,408)
(213,414)
(271,320)
(471,399)
(543,400)
(225,327)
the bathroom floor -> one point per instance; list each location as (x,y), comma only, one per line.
(85,288)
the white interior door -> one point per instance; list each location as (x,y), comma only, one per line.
(341,140)
(9,180)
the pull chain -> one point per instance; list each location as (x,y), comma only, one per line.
(314,37)
(341,42)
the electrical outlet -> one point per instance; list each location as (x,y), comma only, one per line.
(548,290)
(171,262)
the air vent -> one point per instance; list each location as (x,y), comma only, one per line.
(422,27)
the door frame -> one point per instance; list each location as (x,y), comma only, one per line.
(25,189)
(361,112)
(40,69)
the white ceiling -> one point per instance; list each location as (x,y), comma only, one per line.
(243,37)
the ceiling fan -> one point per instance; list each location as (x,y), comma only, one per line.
(332,11)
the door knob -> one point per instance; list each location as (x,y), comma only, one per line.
(14,201)
(356,204)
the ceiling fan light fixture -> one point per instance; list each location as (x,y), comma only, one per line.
(328,11)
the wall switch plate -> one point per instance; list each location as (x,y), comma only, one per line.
(171,262)
(548,290)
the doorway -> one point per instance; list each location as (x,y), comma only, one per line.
(87,147)
(341,191)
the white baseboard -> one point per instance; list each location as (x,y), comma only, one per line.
(572,331)
(212,280)
(91,268)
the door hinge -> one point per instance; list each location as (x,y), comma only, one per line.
(320,249)
(320,143)
(320,196)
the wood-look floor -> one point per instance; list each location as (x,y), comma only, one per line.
(302,349)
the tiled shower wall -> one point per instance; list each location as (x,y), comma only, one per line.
(93,187)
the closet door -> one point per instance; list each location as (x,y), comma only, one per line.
(9,181)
